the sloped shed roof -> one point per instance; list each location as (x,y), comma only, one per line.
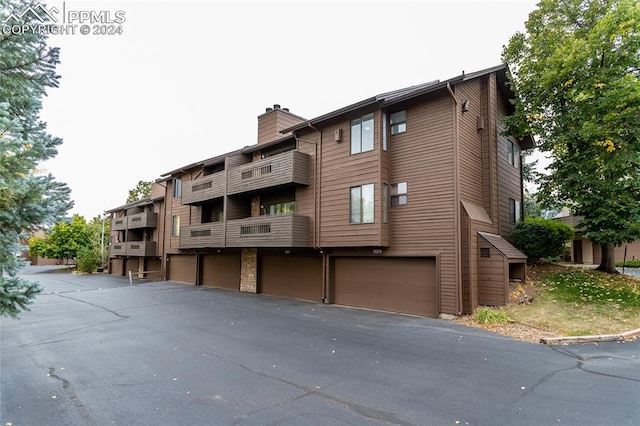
(502,245)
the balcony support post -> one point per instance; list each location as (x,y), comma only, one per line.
(249,270)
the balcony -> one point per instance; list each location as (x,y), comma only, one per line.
(119,223)
(201,236)
(269,231)
(203,189)
(288,167)
(133,248)
(142,220)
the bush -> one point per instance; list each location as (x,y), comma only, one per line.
(88,260)
(489,316)
(541,238)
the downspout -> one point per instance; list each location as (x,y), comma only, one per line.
(456,198)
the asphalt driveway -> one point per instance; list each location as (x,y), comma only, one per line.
(95,351)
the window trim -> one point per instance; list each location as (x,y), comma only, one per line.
(360,145)
(515,211)
(177,187)
(513,153)
(399,198)
(400,126)
(364,215)
(175,225)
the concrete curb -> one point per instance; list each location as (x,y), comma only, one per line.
(627,336)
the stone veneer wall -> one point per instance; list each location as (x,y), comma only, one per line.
(249,271)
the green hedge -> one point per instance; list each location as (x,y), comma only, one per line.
(541,238)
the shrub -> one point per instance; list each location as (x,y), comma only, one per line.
(541,238)
(489,316)
(88,260)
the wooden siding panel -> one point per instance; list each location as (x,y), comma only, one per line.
(216,189)
(423,157)
(470,142)
(269,231)
(203,235)
(288,167)
(341,171)
(509,177)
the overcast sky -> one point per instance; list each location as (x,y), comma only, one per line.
(186,80)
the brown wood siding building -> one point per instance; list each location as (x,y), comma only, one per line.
(277,217)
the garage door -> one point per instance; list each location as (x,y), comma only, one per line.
(182,268)
(290,276)
(221,270)
(117,266)
(406,285)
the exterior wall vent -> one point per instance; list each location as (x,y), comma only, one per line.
(337,135)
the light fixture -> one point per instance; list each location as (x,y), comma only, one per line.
(465,105)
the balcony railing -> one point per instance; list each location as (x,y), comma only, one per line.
(203,189)
(119,223)
(133,248)
(280,169)
(201,236)
(142,220)
(269,231)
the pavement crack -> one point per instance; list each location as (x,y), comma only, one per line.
(362,410)
(65,382)
(95,306)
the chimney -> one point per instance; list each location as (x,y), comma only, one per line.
(273,121)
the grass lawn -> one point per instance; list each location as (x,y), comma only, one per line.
(569,301)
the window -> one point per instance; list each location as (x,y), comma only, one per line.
(287,207)
(384,132)
(361,205)
(385,203)
(175,226)
(177,187)
(399,194)
(513,154)
(362,134)
(398,122)
(515,210)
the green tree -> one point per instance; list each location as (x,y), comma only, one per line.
(540,238)
(66,239)
(576,72)
(99,230)
(142,190)
(28,198)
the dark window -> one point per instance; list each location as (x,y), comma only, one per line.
(398,122)
(177,187)
(513,154)
(515,211)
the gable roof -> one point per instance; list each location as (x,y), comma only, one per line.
(502,245)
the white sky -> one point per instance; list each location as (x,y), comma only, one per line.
(187,80)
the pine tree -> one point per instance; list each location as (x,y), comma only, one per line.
(28,198)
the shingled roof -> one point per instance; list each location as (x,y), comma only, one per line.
(502,245)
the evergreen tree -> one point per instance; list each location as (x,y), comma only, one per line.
(577,75)
(142,190)
(28,198)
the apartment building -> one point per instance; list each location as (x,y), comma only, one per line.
(402,202)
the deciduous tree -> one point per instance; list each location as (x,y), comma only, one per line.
(577,76)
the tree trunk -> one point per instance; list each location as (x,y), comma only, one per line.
(607,262)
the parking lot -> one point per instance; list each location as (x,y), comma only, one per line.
(96,351)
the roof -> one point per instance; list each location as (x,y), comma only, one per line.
(396,96)
(502,245)
(138,203)
(476,212)
(252,148)
(204,163)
